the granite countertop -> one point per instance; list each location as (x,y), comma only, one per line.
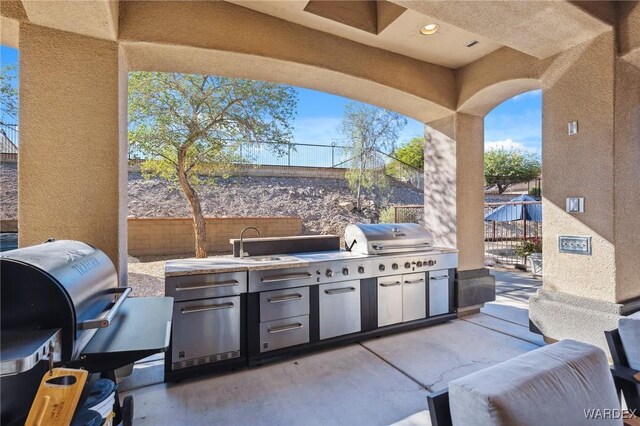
(221,264)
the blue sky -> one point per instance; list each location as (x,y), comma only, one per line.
(514,123)
(517,123)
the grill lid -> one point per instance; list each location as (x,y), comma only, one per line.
(385,238)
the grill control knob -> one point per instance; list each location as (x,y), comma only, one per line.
(394,266)
(431,262)
(381,267)
(329,273)
(419,264)
(345,271)
(361,269)
(407,265)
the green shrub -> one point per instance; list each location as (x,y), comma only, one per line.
(535,191)
(529,246)
(387,215)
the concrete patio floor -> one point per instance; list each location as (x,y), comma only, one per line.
(376,382)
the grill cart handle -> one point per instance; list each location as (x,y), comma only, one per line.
(399,246)
(106,319)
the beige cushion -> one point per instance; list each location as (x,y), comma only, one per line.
(421,418)
(552,385)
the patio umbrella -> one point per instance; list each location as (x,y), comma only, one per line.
(509,212)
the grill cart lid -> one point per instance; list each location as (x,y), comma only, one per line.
(385,238)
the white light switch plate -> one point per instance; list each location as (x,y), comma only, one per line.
(575,205)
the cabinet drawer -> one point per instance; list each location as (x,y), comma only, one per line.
(192,287)
(285,303)
(438,292)
(284,333)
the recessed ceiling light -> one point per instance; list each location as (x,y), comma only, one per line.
(472,43)
(429,29)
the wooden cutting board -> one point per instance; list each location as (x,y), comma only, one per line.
(57,397)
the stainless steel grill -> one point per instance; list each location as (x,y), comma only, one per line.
(387,238)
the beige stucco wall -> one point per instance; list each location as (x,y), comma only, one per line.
(627,179)
(580,165)
(225,39)
(71,154)
(629,31)
(489,81)
(159,236)
(454,185)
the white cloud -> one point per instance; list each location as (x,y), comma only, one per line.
(509,144)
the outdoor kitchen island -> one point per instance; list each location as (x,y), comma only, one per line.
(231,312)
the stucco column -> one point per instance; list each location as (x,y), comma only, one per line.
(454,200)
(583,295)
(73,151)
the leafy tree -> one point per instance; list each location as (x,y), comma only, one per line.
(412,153)
(8,92)
(368,129)
(504,167)
(188,126)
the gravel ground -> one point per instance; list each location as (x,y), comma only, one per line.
(146,274)
(325,205)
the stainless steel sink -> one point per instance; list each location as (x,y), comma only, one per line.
(262,258)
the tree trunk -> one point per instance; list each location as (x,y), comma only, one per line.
(199,224)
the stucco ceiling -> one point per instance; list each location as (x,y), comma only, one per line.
(447,47)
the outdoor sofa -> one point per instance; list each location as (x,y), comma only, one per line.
(566,383)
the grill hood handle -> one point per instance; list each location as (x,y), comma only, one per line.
(106,319)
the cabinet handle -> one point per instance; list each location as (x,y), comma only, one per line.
(340,290)
(397,246)
(414,281)
(286,277)
(230,283)
(283,328)
(395,283)
(193,310)
(287,298)
(441,277)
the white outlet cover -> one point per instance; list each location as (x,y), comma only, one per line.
(572,128)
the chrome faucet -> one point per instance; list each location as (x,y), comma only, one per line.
(242,253)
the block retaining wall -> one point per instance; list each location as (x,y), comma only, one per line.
(167,236)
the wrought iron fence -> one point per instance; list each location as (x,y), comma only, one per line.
(409,214)
(506,240)
(293,154)
(311,155)
(8,141)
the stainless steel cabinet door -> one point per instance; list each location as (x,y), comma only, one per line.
(205,327)
(389,300)
(339,309)
(414,297)
(438,292)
